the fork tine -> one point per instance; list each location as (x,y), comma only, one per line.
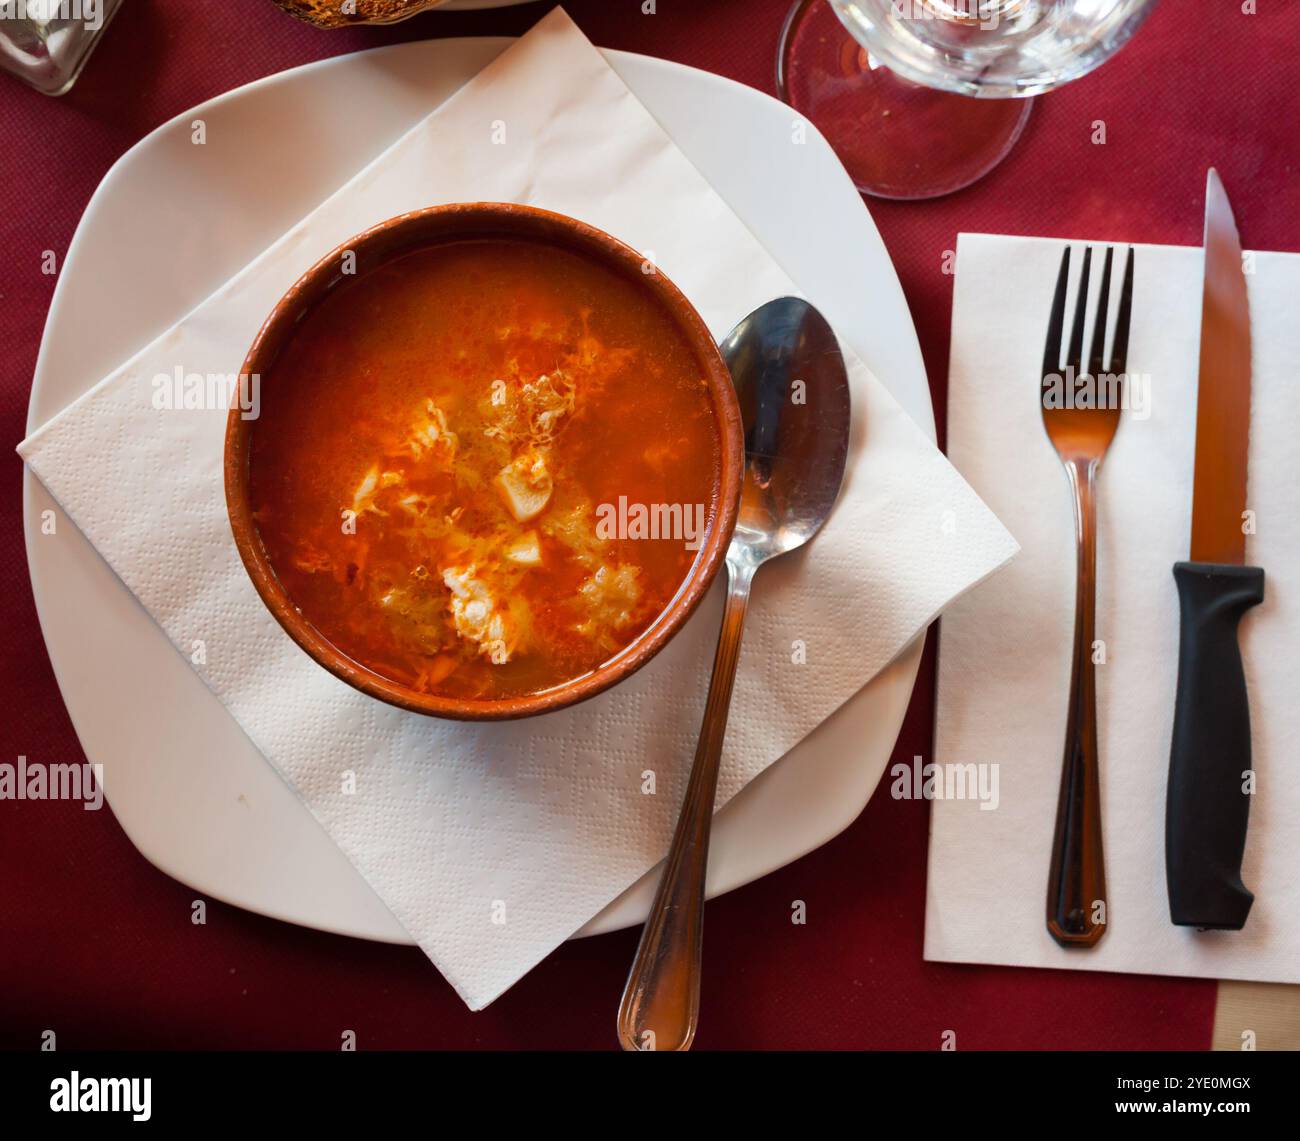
(1056,322)
(1119,351)
(1097,358)
(1075,357)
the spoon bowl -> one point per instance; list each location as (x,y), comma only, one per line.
(789,376)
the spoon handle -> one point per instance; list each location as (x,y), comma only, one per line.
(661,1001)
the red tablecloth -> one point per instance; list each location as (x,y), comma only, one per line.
(98,945)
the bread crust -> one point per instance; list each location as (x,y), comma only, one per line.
(330,14)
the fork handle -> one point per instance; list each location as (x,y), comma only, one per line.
(661,1002)
(1207,806)
(1076,889)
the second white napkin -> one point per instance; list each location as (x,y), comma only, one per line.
(493,843)
(1004,657)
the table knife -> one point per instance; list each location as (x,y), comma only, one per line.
(1208,799)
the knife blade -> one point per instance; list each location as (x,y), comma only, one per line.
(1207,805)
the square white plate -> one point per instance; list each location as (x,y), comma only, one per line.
(163,231)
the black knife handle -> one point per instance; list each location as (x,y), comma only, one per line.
(1206,807)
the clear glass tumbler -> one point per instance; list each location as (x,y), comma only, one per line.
(47,42)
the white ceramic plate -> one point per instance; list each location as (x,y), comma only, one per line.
(162,232)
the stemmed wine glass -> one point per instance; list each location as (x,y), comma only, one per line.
(923,97)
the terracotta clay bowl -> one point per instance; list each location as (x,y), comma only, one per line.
(422,229)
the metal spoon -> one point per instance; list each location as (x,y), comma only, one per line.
(794,397)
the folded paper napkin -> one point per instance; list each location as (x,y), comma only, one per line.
(1004,666)
(493,843)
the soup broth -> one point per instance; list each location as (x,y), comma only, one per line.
(484,468)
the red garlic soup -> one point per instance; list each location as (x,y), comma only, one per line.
(484,468)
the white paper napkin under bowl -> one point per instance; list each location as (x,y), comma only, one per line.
(1004,654)
(493,843)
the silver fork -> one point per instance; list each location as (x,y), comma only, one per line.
(1076,890)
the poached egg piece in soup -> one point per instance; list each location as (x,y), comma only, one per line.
(436,443)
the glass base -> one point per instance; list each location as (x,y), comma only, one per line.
(896,138)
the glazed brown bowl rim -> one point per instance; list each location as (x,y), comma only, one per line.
(425,228)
